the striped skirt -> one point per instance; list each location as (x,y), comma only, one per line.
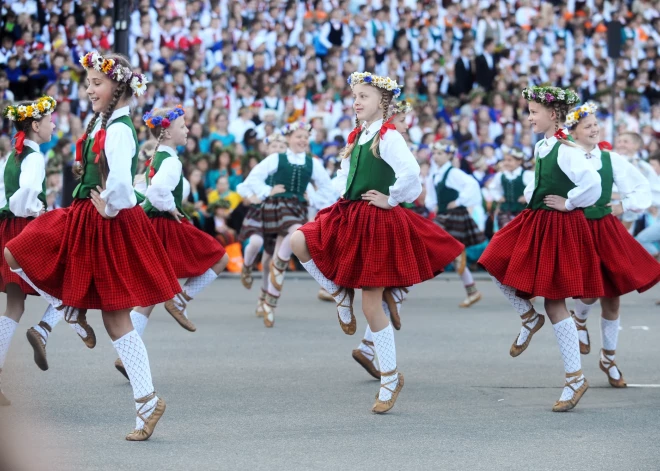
(505,218)
(280,214)
(460,225)
(253,223)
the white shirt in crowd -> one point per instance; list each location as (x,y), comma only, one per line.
(469,193)
(25,201)
(494,190)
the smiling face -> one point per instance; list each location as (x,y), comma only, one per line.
(366,102)
(587,131)
(541,118)
(298,140)
(100,89)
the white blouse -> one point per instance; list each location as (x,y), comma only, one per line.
(469,193)
(255,183)
(25,202)
(394,151)
(571,161)
(159,191)
(119,150)
(633,187)
(496,192)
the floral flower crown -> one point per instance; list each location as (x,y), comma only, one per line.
(385,83)
(516,153)
(441,146)
(293,127)
(117,72)
(277,136)
(42,107)
(549,95)
(402,106)
(576,114)
(164,121)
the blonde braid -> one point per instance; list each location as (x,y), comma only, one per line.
(349,148)
(78,169)
(385,100)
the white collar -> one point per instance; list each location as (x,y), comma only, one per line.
(119,112)
(596,153)
(512,175)
(445,167)
(374,127)
(300,155)
(32,145)
(168,149)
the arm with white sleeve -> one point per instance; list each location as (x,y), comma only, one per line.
(394,151)
(577,168)
(119,150)
(325,194)
(469,194)
(25,202)
(431,200)
(159,192)
(256,180)
(633,187)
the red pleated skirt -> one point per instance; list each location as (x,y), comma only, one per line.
(90,262)
(10,228)
(191,251)
(357,245)
(546,253)
(626,266)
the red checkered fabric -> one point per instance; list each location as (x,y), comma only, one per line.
(546,253)
(626,265)
(191,251)
(95,263)
(357,245)
(10,228)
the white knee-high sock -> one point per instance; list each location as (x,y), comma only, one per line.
(368,335)
(330,287)
(196,284)
(133,355)
(582,310)
(466,277)
(386,351)
(609,334)
(285,251)
(51,317)
(139,321)
(252,249)
(7,330)
(569,347)
(521,306)
(51,299)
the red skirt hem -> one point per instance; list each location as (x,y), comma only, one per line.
(9,229)
(357,245)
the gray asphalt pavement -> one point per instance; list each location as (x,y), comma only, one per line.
(242,397)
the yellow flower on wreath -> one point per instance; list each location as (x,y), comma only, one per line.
(29,110)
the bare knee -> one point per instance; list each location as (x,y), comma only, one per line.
(220,266)
(610,308)
(589,301)
(117,323)
(299,246)
(372,302)
(11,261)
(556,310)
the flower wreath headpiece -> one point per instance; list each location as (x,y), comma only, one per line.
(276,136)
(293,127)
(447,148)
(385,83)
(549,95)
(37,110)
(164,121)
(402,106)
(118,73)
(576,114)
(516,153)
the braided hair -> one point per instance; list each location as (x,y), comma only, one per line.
(386,97)
(158,131)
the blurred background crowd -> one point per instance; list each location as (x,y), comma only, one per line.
(242,69)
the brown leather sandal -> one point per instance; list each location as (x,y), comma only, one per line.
(38,343)
(150,422)
(585,348)
(277,270)
(246,276)
(380,407)
(177,312)
(351,327)
(564,406)
(393,301)
(270,303)
(605,366)
(527,318)
(363,359)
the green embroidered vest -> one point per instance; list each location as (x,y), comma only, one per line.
(295,178)
(600,209)
(12,178)
(92,176)
(177,193)
(445,194)
(367,173)
(513,189)
(549,180)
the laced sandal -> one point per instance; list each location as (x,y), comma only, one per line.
(150,422)
(380,407)
(246,276)
(460,262)
(325,296)
(90,340)
(176,306)
(120,367)
(270,303)
(277,270)
(470,300)
(393,301)
(363,359)
(564,406)
(351,327)
(606,364)
(527,320)
(260,312)
(4,402)
(38,343)
(585,348)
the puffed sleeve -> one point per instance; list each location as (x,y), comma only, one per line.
(633,186)
(159,192)
(394,151)
(577,168)
(25,202)
(256,180)
(119,150)
(325,194)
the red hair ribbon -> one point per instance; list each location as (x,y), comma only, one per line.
(79,147)
(354,133)
(99,144)
(604,145)
(386,125)
(560,134)
(19,139)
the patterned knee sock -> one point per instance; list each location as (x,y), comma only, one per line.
(139,321)
(51,317)
(609,334)
(521,306)
(195,285)
(7,329)
(569,346)
(386,351)
(368,335)
(133,355)
(51,299)
(337,293)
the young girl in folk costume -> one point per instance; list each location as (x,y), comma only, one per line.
(252,229)
(88,256)
(449,193)
(193,254)
(507,187)
(24,188)
(626,265)
(366,240)
(548,250)
(284,207)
